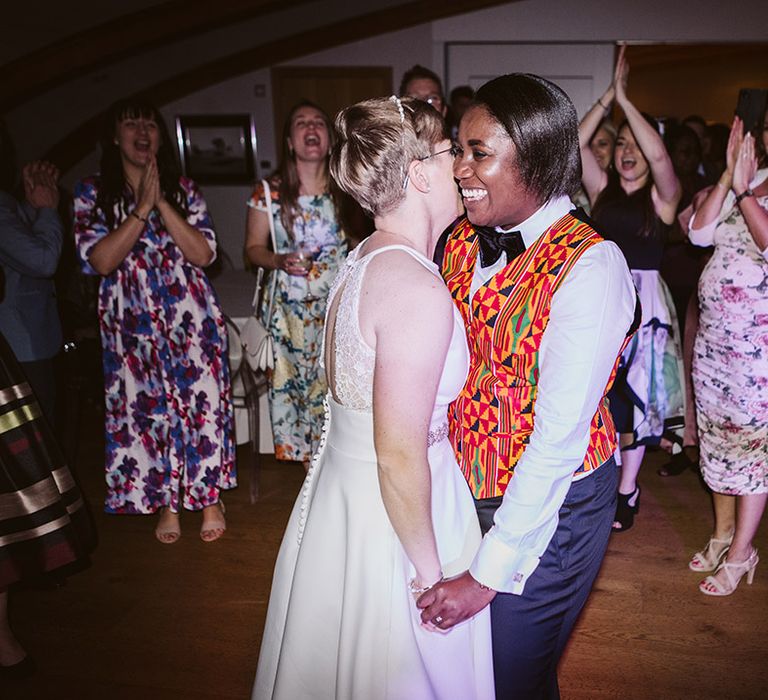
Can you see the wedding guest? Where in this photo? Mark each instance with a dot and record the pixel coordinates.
(31, 236)
(634, 205)
(730, 365)
(424, 85)
(146, 231)
(305, 208)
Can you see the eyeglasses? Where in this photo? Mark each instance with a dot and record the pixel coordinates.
(454, 150)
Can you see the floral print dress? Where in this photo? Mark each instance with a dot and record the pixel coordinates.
(169, 429)
(730, 360)
(298, 386)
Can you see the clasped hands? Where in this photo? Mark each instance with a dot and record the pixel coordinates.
(453, 601)
(41, 180)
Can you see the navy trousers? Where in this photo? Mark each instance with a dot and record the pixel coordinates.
(530, 631)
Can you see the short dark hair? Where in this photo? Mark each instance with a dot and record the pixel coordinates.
(462, 91)
(541, 121)
(416, 73)
(695, 119)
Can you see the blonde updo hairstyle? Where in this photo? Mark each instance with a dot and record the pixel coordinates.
(376, 142)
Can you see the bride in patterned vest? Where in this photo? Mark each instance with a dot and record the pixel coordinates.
(547, 305)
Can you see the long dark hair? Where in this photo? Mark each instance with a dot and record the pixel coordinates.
(614, 192)
(289, 175)
(112, 188)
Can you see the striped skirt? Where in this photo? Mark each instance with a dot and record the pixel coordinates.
(44, 524)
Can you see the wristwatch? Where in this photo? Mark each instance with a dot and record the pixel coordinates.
(745, 193)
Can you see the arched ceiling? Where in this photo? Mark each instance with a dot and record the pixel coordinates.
(102, 49)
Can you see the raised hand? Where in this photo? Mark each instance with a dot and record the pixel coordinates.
(735, 140)
(149, 194)
(621, 76)
(746, 165)
(41, 184)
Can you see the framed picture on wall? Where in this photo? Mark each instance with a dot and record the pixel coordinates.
(217, 149)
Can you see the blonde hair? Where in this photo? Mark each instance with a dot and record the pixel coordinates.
(375, 143)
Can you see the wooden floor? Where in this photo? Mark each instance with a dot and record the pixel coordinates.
(153, 621)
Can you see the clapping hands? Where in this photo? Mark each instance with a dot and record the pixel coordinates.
(621, 76)
(149, 194)
(744, 159)
(41, 180)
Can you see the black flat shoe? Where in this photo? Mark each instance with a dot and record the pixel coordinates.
(627, 507)
(677, 465)
(23, 669)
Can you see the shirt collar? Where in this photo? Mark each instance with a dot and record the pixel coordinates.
(542, 219)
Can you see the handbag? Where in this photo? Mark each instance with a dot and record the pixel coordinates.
(258, 343)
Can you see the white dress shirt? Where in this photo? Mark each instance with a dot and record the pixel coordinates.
(589, 318)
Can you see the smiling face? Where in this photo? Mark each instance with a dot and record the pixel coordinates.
(486, 167)
(138, 139)
(629, 161)
(601, 146)
(309, 138)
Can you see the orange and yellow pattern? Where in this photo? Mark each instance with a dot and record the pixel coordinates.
(492, 419)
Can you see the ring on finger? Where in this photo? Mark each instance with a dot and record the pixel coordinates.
(437, 619)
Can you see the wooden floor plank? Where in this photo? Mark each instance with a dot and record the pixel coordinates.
(153, 621)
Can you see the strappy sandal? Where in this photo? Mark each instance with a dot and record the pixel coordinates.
(710, 557)
(212, 531)
(733, 575)
(166, 534)
(626, 510)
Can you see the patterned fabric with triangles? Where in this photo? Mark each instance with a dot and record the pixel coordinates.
(492, 419)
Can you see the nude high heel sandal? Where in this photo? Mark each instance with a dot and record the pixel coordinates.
(710, 557)
(733, 574)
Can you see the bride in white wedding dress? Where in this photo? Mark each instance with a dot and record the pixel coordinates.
(384, 512)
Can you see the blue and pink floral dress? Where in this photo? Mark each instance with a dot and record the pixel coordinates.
(169, 430)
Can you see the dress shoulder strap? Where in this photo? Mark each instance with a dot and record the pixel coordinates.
(426, 262)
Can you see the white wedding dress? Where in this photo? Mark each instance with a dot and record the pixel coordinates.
(341, 621)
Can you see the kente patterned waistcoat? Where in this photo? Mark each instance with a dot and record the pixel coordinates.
(492, 419)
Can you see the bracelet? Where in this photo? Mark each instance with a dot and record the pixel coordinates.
(600, 102)
(140, 218)
(413, 588)
(745, 193)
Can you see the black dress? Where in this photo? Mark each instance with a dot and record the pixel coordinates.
(647, 398)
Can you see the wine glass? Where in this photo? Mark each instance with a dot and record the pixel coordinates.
(306, 259)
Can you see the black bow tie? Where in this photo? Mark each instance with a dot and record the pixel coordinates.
(493, 243)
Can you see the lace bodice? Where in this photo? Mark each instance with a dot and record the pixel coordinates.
(355, 359)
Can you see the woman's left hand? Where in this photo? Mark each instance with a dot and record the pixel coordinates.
(746, 165)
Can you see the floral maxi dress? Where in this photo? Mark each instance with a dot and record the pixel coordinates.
(730, 358)
(164, 342)
(298, 386)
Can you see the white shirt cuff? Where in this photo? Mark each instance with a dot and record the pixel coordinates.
(500, 567)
